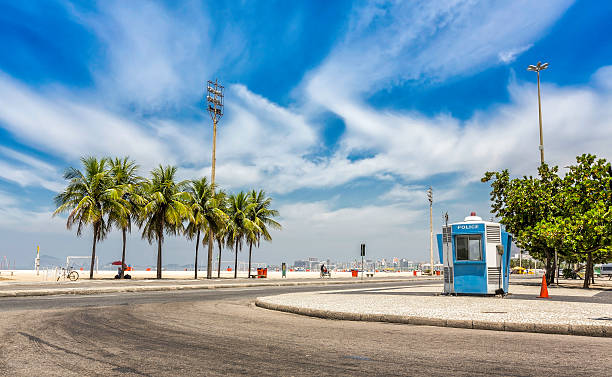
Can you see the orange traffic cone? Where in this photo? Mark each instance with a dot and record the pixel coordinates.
(544, 289)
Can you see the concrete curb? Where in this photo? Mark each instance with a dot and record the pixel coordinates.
(159, 288)
(546, 328)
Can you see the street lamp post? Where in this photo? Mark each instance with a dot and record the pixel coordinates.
(214, 101)
(431, 261)
(537, 68)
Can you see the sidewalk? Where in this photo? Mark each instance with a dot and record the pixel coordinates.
(568, 311)
(89, 287)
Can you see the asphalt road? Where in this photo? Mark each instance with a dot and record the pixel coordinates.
(221, 332)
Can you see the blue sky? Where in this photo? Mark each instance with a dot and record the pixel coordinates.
(344, 112)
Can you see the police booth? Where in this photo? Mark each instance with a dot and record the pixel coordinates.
(476, 257)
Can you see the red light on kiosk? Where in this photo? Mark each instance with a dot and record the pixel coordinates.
(472, 213)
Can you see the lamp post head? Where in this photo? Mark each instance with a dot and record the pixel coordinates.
(538, 67)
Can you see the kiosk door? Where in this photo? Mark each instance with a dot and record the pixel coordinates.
(469, 261)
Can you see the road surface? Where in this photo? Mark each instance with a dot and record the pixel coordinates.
(221, 332)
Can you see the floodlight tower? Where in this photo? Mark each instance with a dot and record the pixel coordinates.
(537, 68)
(214, 102)
(431, 260)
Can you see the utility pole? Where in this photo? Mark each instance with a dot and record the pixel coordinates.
(214, 101)
(430, 198)
(537, 68)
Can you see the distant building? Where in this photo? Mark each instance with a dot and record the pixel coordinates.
(309, 264)
(301, 263)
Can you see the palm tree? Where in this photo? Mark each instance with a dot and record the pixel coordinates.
(89, 196)
(165, 208)
(126, 180)
(239, 226)
(206, 215)
(261, 215)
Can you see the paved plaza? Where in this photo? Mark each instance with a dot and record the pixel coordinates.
(569, 310)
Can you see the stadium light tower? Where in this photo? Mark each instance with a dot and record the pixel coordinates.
(214, 106)
(431, 260)
(537, 68)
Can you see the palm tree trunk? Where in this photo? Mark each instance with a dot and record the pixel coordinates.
(196, 255)
(123, 257)
(250, 250)
(159, 256)
(236, 262)
(210, 254)
(219, 264)
(93, 251)
(160, 239)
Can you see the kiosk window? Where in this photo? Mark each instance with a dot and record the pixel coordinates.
(468, 247)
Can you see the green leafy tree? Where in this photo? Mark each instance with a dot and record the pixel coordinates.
(261, 215)
(165, 208)
(522, 204)
(585, 227)
(239, 226)
(571, 214)
(126, 180)
(205, 214)
(89, 197)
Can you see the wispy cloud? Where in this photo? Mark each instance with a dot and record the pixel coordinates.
(509, 56)
(155, 57)
(389, 43)
(14, 217)
(25, 170)
(70, 128)
(338, 232)
(416, 195)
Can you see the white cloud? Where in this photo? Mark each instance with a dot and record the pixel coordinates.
(575, 121)
(155, 57)
(69, 128)
(389, 43)
(27, 177)
(603, 78)
(264, 144)
(509, 56)
(6, 200)
(15, 218)
(316, 229)
(26, 159)
(28, 171)
(417, 195)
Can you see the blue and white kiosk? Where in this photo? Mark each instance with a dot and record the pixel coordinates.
(476, 257)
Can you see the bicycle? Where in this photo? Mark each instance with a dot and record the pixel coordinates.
(325, 273)
(69, 273)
